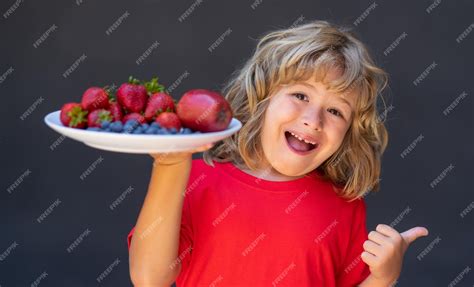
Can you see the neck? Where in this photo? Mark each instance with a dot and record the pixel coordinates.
(269, 173)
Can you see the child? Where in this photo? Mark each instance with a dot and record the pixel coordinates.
(280, 202)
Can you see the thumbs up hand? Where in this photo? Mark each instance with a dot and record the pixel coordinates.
(385, 248)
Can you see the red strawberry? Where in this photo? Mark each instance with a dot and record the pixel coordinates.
(95, 98)
(134, 116)
(96, 117)
(115, 110)
(157, 103)
(132, 96)
(168, 120)
(72, 115)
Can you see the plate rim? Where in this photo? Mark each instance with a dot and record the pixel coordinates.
(53, 125)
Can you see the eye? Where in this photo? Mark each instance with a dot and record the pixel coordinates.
(300, 96)
(337, 113)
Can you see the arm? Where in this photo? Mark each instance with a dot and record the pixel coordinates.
(154, 246)
(153, 251)
(372, 281)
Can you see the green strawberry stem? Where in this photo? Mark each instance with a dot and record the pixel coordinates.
(153, 86)
(105, 116)
(160, 111)
(77, 116)
(110, 93)
(133, 80)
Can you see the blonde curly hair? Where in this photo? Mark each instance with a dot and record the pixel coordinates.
(296, 54)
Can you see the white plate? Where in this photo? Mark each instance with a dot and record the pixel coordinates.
(139, 143)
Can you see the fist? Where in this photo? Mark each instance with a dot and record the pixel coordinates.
(385, 248)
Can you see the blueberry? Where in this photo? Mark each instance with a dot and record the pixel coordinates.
(187, 131)
(132, 121)
(173, 131)
(138, 130)
(107, 129)
(155, 124)
(145, 126)
(127, 130)
(162, 131)
(116, 127)
(150, 131)
(105, 124)
(130, 126)
(93, 129)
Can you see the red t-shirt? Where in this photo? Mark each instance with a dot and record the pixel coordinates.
(240, 230)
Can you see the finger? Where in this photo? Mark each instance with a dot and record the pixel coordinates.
(378, 237)
(200, 149)
(372, 247)
(205, 147)
(412, 234)
(387, 230)
(368, 258)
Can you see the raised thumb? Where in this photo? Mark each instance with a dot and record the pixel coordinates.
(412, 234)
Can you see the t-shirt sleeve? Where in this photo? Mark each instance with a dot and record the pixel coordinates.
(186, 235)
(353, 270)
(129, 237)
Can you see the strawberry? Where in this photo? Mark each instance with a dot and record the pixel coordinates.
(96, 117)
(158, 103)
(72, 115)
(132, 96)
(95, 98)
(168, 120)
(115, 110)
(134, 116)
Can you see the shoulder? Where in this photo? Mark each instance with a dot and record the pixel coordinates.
(348, 206)
(200, 168)
(348, 210)
(332, 192)
(353, 209)
(354, 215)
(201, 174)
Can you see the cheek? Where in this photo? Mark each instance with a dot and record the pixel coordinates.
(335, 135)
(282, 111)
(278, 114)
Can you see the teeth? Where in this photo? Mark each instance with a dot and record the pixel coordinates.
(302, 139)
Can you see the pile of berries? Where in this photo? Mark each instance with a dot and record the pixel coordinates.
(145, 108)
(134, 127)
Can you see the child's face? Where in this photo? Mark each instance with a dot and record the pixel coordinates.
(307, 109)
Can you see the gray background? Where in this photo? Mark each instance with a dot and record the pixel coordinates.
(29, 248)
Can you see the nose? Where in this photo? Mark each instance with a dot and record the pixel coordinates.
(314, 121)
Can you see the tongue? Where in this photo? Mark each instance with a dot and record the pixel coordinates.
(297, 144)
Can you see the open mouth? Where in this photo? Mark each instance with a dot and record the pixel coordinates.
(299, 146)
